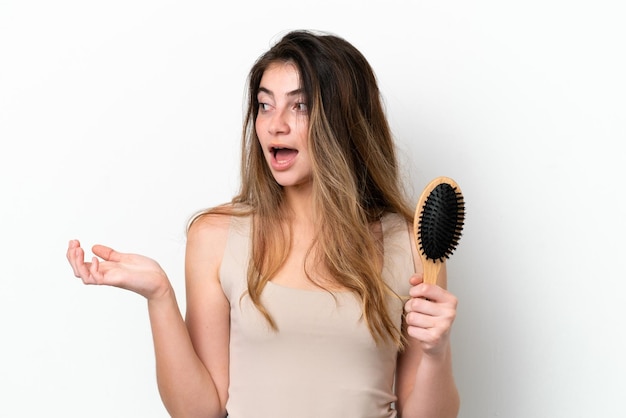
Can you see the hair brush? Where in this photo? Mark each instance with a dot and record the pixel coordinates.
(438, 223)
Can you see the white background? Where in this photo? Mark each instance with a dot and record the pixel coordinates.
(120, 119)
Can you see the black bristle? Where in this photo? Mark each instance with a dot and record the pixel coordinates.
(441, 222)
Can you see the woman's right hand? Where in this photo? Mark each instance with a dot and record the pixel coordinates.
(133, 272)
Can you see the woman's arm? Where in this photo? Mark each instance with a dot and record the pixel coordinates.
(185, 382)
(208, 309)
(424, 380)
(190, 385)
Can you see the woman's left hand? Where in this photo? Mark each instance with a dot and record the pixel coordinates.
(430, 312)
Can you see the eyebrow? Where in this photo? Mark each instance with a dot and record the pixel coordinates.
(295, 92)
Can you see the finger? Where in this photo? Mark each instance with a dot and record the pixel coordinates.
(430, 331)
(419, 334)
(423, 306)
(81, 269)
(106, 253)
(419, 320)
(432, 340)
(428, 291)
(71, 257)
(71, 253)
(73, 244)
(94, 271)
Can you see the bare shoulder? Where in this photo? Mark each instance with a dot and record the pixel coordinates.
(209, 226)
(206, 241)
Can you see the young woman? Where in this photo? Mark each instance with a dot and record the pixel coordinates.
(304, 293)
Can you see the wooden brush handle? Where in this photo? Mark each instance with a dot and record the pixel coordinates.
(431, 267)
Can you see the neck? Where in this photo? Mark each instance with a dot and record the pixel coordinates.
(299, 203)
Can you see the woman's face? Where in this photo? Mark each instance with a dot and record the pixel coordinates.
(282, 125)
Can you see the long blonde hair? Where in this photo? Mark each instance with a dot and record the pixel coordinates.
(355, 174)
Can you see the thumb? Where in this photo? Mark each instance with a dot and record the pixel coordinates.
(106, 253)
(416, 279)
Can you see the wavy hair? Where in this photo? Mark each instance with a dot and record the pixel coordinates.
(355, 175)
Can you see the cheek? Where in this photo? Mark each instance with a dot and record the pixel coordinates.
(261, 133)
(303, 133)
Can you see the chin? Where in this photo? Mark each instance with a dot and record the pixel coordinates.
(291, 182)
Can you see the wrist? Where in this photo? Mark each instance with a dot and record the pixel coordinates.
(437, 358)
(163, 295)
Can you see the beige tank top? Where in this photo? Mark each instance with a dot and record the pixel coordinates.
(322, 362)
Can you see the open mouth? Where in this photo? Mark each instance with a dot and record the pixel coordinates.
(282, 154)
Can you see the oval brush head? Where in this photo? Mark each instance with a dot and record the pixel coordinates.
(438, 223)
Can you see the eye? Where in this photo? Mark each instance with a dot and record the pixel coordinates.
(301, 107)
(263, 107)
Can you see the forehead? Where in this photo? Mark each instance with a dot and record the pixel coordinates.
(280, 77)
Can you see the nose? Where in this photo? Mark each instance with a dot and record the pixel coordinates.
(279, 123)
